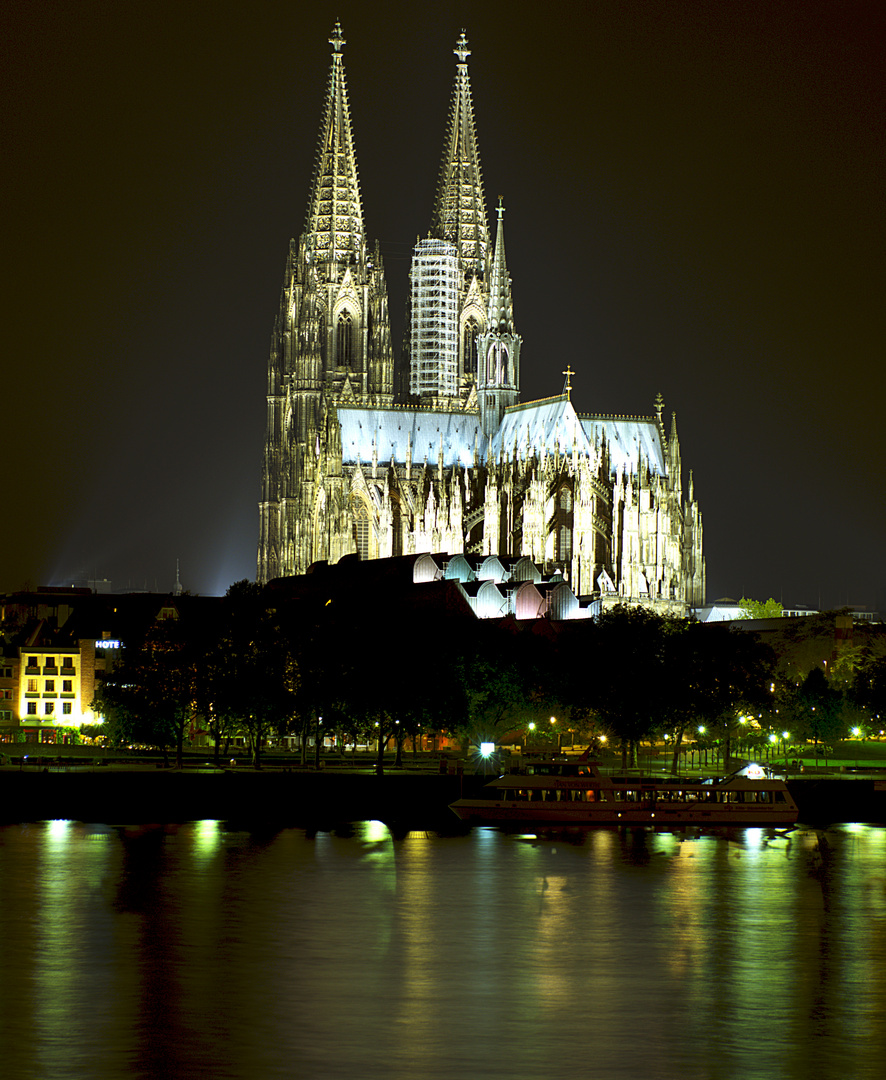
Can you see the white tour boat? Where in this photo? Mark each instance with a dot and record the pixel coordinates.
(577, 793)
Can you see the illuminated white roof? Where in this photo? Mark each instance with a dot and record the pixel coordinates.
(394, 430)
(626, 436)
(551, 423)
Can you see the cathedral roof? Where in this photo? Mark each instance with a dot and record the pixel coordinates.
(334, 229)
(460, 206)
(552, 424)
(420, 433)
(628, 437)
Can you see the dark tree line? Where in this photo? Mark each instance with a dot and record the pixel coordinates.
(269, 666)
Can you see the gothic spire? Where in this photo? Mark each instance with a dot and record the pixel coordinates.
(500, 314)
(335, 214)
(460, 207)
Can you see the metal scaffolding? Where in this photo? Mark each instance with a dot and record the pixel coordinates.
(434, 331)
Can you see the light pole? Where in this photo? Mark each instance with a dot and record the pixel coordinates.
(559, 735)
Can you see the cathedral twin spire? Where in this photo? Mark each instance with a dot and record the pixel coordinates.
(334, 231)
(460, 206)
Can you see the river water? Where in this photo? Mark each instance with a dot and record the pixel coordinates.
(196, 951)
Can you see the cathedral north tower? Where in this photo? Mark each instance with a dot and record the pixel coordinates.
(331, 341)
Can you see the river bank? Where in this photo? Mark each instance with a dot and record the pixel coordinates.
(322, 799)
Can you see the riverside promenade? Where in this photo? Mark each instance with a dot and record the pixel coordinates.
(39, 786)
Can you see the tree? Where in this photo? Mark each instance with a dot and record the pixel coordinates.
(151, 697)
(869, 689)
(760, 609)
(820, 709)
(254, 675)
(734, 677)
(625, 674)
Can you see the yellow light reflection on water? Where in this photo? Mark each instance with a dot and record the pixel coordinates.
(58, 831)
(207, 836)
(375, 832)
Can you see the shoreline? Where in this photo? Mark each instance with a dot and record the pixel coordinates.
(325, 798)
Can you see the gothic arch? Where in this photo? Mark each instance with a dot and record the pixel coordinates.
(346, 351)
(470, 331)
(362, 526)
(564, 502)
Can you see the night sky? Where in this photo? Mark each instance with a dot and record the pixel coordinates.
(694, 206)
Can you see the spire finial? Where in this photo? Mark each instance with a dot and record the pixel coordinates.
(500, 209)
(569, 373)
(337, 39)
(659, 405)
(461, 49)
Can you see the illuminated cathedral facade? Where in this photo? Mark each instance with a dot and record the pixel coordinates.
(438, 453)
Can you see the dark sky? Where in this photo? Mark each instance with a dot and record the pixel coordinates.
(694, 205)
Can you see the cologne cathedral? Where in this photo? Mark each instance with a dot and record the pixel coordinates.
(438, 453)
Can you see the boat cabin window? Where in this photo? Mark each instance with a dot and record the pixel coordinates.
(558, 768)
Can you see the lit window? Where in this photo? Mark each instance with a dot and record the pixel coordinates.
(32, 686)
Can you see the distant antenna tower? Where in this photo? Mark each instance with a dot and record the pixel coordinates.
(177, 591)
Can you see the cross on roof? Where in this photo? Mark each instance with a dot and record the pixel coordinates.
(568, 373)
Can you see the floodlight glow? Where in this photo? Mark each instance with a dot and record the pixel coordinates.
(532, 727)
(856, 732)
(785, 734)
(487, 749)
(773, 738)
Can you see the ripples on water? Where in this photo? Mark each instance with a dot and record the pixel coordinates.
(201, 952)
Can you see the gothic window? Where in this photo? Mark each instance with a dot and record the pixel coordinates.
(469, 347)
(563, 525)
(361, 524)
(344, 340)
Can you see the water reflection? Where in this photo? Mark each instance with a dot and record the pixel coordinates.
(201, 950)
